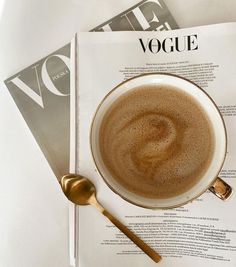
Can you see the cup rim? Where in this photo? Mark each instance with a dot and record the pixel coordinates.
(97, 167)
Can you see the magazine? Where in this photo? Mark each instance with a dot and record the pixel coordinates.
(200, 233)
(42, 94)
(42, 91)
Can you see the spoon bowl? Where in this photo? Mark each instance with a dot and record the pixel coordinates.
(78, 189)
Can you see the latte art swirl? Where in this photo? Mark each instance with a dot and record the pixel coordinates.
(156, 141)
(149, 147)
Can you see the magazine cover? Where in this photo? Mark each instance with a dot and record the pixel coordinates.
(42, 92)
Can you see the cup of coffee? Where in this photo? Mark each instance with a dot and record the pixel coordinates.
(159, 141)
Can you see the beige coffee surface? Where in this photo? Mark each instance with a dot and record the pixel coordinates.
(156, 141)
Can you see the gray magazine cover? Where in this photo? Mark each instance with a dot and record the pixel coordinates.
(42, 92)
(147, 15)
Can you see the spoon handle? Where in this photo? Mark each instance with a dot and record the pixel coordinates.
(142, 245)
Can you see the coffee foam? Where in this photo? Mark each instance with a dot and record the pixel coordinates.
(156, 141)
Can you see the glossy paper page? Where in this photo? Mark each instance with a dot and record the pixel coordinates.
(201, 232)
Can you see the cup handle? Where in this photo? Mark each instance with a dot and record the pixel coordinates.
(221, 189)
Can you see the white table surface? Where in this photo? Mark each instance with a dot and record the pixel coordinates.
(33, 211)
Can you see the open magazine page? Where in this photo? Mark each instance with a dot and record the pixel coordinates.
(200, 233)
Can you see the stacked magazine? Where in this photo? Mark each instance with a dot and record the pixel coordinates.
(57, 102)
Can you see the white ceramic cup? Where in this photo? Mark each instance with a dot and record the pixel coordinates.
(210, 178)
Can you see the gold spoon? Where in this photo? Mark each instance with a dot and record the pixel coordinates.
(81, 191)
